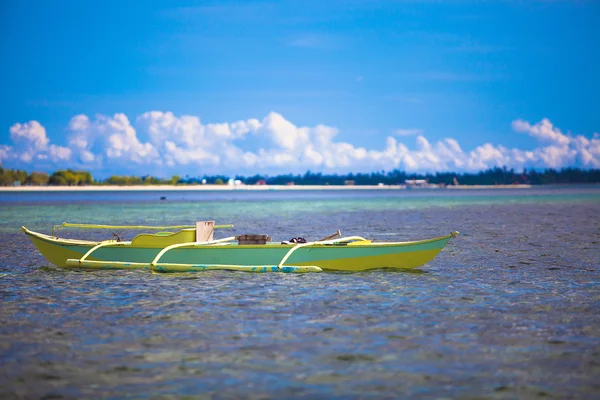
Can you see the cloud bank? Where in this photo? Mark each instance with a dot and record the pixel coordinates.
(162, 143)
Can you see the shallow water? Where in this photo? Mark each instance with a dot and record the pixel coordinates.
(509, 309)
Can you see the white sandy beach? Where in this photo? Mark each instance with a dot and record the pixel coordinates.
(149, 188)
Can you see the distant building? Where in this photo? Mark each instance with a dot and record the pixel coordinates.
(420, 184)
(416, 182)
(234, 182)
(261, 182)
(349, 183)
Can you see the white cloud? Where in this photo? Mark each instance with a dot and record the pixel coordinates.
(113, 138)
(30, 135)
(283, 133)
(121, 140)
(588, 150)
(160, 126)
(563, 150)
(451, 155)
(487, 156)
(408, 132)
(4, 152)
(184, 144)
(543, 130)
(185, 140)
(80, 132)
(58, 153)
(30, 143)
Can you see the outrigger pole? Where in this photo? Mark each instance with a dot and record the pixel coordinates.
(154, 228)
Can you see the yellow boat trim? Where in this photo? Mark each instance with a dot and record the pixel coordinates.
(354, 264)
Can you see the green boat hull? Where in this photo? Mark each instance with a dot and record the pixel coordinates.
(336, 257)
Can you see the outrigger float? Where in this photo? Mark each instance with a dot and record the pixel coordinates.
(192, 248)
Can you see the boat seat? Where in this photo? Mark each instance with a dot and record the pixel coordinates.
(203, 233)
(163, 239)
(359, 243)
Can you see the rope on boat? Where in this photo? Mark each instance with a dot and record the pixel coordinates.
(293, 249)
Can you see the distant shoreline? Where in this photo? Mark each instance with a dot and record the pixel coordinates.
(170, 188)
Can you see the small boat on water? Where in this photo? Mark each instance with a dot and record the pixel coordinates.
(193, 248)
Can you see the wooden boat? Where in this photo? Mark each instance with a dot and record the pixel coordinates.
(192, 248)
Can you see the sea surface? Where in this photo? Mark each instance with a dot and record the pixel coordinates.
(509, 309)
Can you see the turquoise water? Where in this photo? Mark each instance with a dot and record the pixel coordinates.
(510, 309)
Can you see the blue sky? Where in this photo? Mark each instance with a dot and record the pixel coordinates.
(278, 86)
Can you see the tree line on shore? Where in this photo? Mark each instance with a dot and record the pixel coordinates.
(492, 176)
(12, 177)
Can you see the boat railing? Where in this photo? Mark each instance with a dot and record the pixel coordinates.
(161, 253)
(105, 243)
(189, 244)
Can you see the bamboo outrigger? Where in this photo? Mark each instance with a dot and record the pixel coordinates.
(192, 248)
